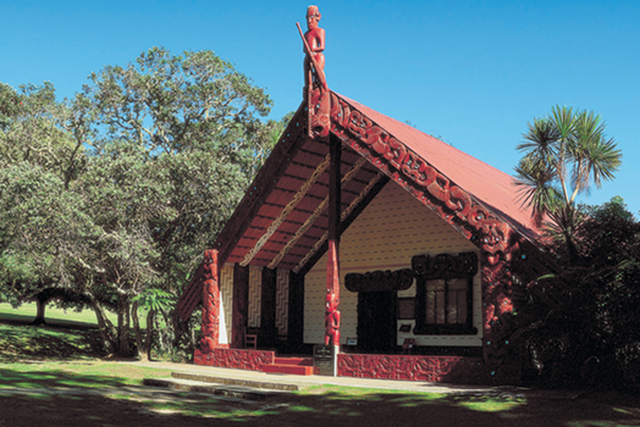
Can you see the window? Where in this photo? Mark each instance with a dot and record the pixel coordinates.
(444, 303)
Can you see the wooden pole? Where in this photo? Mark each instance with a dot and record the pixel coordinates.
(332, 315)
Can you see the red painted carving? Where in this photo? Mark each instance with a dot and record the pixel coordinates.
(251, 360)
(493, 236)
(210, 302)
(316, 91)
(332, 315)
(408, 368)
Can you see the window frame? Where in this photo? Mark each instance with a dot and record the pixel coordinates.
(444, 267)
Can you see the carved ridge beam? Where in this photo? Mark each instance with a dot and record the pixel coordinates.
(318, 245)
(286, 211)
(314, 216)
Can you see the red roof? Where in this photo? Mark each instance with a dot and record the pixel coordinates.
(280, 220)
(488, 185)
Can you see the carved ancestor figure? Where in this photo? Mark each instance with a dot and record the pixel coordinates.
(332, 314)
(316, 91)
(314, 59)
(210, 302)
(332, 320)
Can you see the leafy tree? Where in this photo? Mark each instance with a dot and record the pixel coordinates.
(177, 139)
(45, 236)
(37, 129)
(581, 326)
(564, 155)
(111, 198)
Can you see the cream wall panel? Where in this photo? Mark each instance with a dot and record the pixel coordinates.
(389, 232)
(255, 297)
(226, 311)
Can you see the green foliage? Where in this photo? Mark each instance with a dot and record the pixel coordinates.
(116, 193)
(564, 154)
(581, 326)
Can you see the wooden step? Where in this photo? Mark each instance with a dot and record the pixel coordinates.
(277, 368)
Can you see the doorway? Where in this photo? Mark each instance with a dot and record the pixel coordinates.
(377, 321)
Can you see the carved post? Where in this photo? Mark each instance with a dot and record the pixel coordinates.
(210, 303)
(332, 316)
(498, 245)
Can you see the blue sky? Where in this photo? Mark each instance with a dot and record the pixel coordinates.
(472, 73)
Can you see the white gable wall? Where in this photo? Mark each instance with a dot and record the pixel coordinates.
(387, 234)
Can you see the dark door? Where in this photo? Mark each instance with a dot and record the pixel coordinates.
(377, 321)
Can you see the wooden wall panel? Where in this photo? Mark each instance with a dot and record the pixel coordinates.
(255, 296)
(282, 302)
(388, 233)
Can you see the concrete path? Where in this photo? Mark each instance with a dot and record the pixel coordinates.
(315, 380)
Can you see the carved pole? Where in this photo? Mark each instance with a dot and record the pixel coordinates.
(210, 303)
(332, 315)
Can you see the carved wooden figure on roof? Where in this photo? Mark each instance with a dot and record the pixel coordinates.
(316, 90)
(314, 46)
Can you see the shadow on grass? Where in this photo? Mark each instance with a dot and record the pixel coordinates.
(31, 397)
(19, 341)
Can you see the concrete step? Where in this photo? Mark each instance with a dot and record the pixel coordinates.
(301, 361)
(222, 390)
(239, 382)
(278, 368)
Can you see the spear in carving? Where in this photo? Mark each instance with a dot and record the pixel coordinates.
(319, 71)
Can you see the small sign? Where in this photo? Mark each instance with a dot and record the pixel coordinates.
(324, 359)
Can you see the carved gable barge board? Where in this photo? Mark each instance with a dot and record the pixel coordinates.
(262, 184)
(417, 176)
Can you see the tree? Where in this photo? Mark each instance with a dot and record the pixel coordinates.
(177, 138)
(45, 237)
(581, 326)
(111, 198)
(43, 231)
(564, 155)
(36, 129)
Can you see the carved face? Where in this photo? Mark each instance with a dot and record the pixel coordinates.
(332, 302)
(313, 16)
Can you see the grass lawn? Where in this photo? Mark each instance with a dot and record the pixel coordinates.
(49, 376)
(27, 313)
(56, 316)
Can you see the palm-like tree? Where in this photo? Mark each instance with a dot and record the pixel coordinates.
(564, 155)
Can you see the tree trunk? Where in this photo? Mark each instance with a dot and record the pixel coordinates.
(124, 347)
(140, 344)
(104, 325)
(41, 304)
(149, 340)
